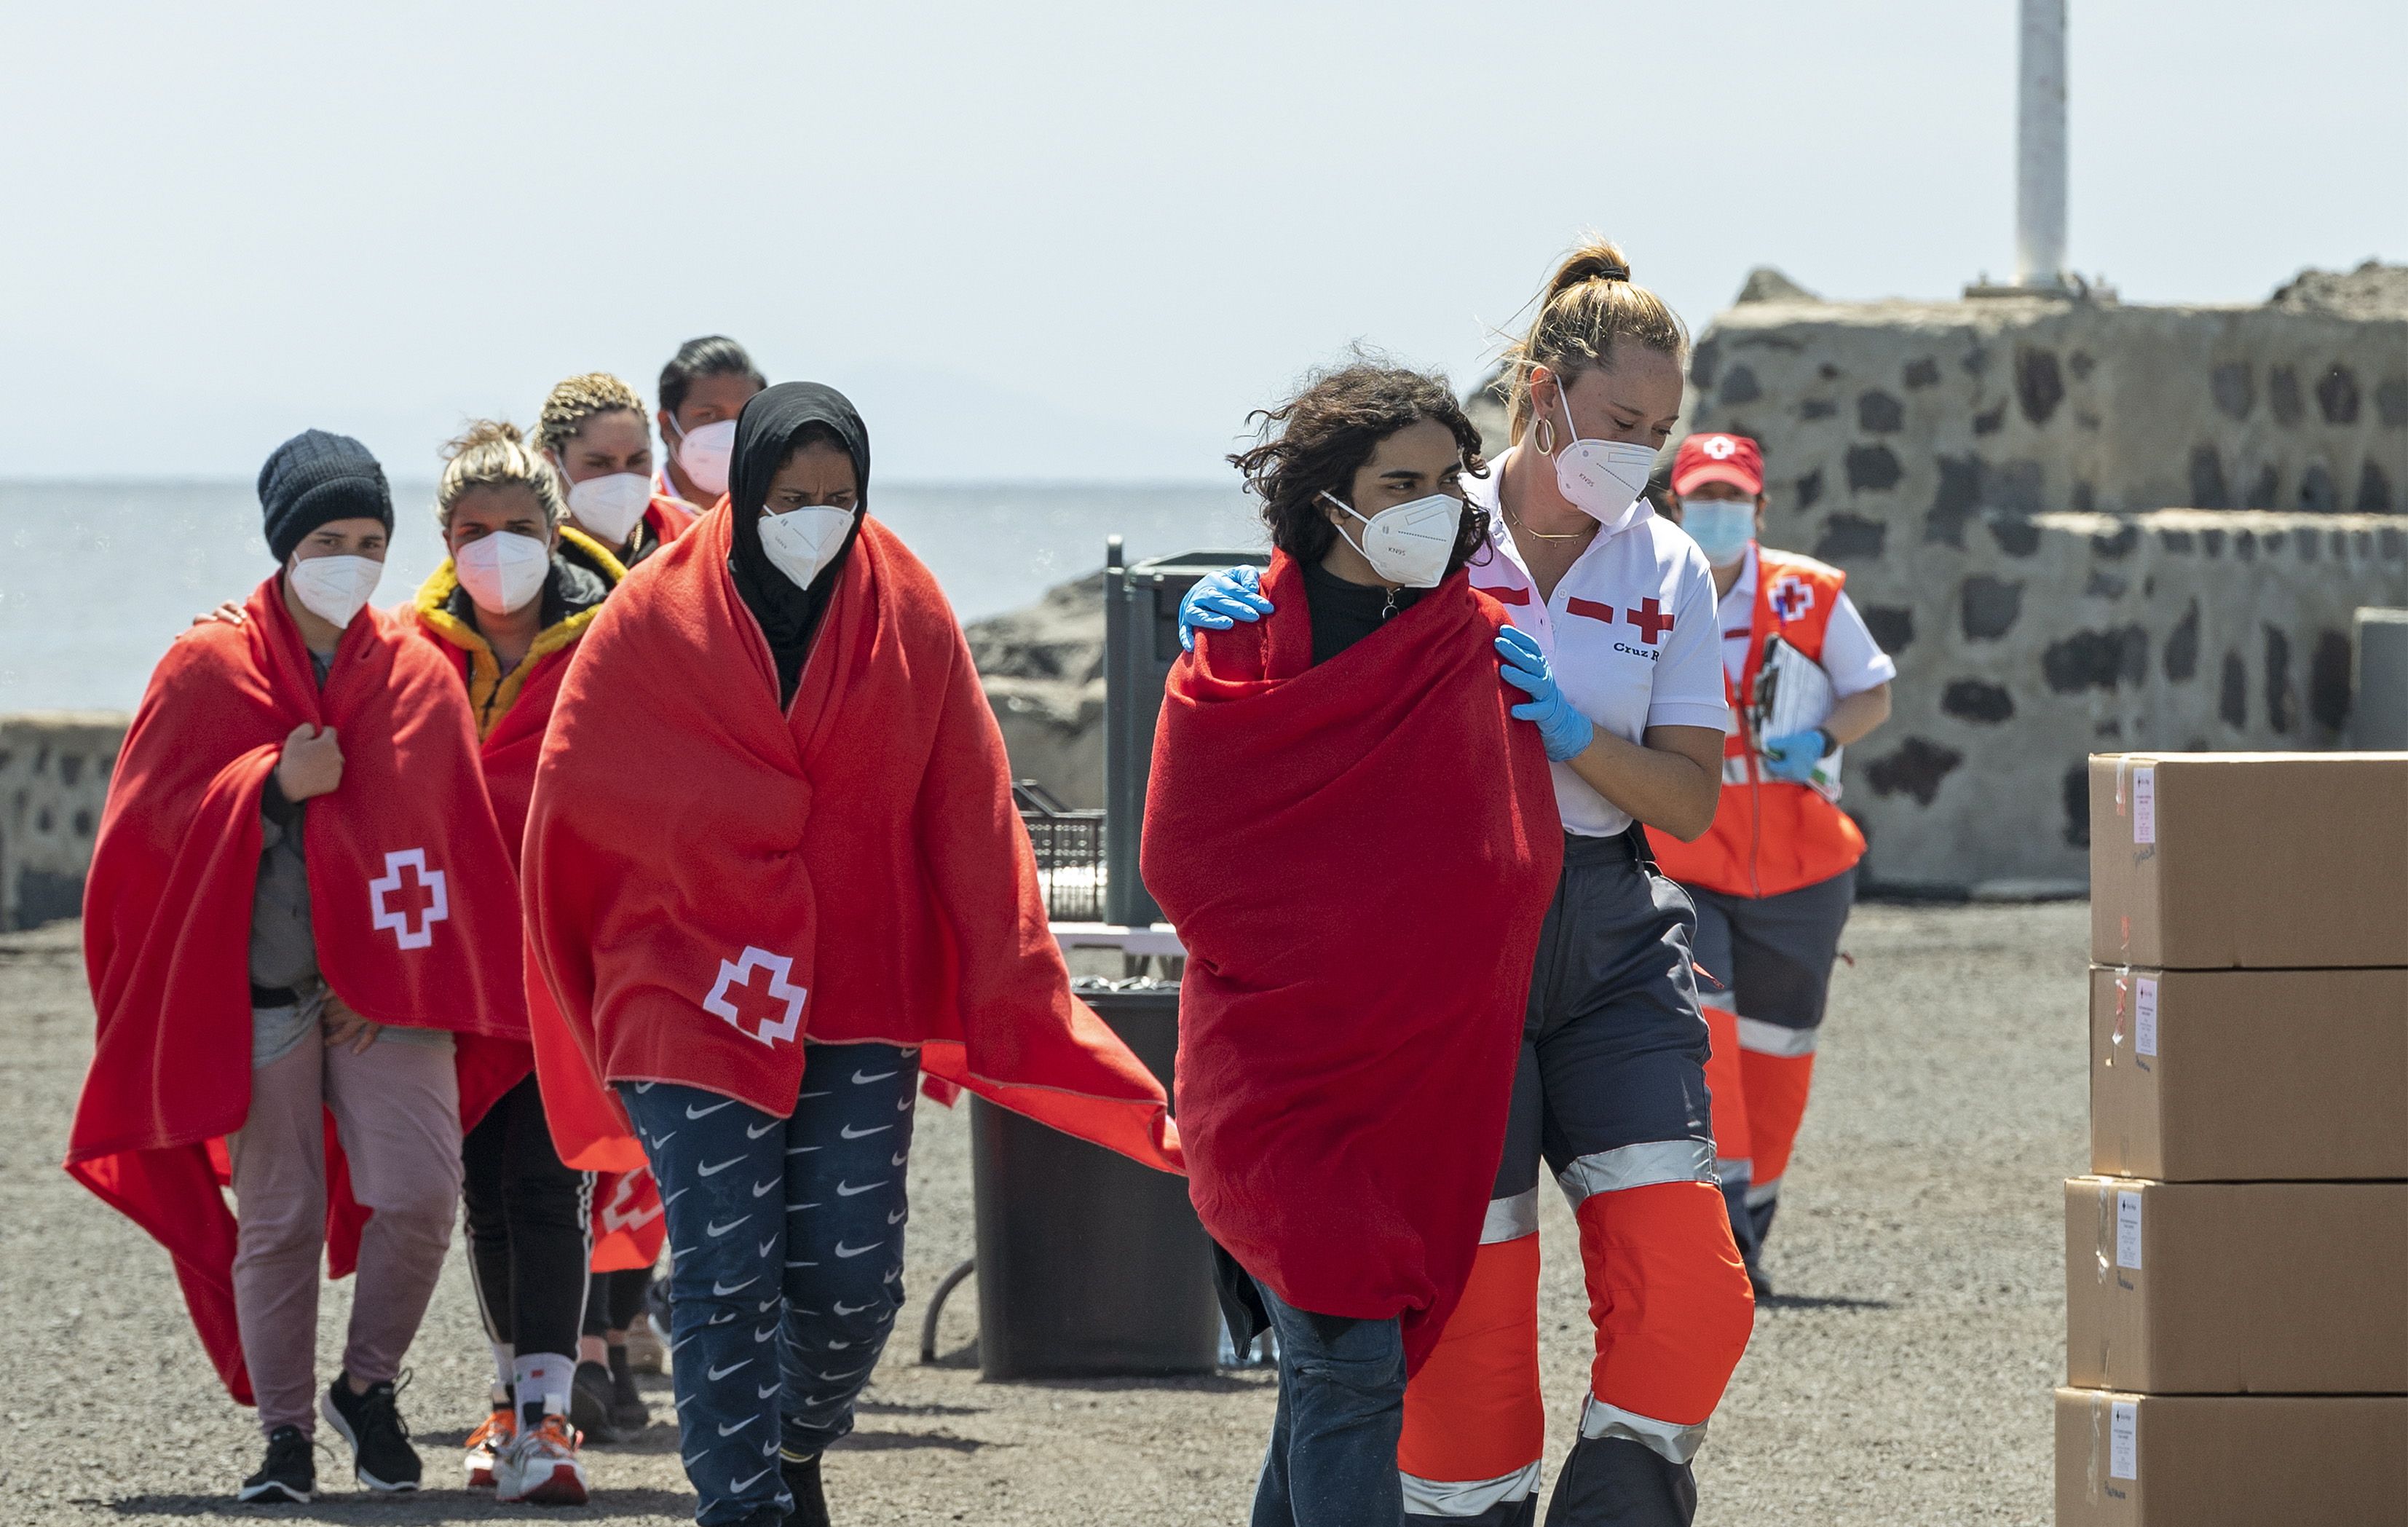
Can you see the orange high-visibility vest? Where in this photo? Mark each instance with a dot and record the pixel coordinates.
(1769, 836)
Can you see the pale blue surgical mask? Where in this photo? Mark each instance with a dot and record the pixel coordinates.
(1722, 527)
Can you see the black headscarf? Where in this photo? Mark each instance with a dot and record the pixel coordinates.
(766, 433)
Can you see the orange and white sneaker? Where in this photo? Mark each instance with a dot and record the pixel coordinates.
(540, 1466)
(492, 1435)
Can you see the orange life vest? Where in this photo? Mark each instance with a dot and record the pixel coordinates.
(1769, 836)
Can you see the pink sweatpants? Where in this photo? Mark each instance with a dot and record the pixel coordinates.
(397, 1111)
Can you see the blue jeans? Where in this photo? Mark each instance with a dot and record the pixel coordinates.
(1332, 1461)
(786, 1228)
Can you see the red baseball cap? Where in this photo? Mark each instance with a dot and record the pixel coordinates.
(1734, 459)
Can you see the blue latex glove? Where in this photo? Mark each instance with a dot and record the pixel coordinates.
(1220, 600)
(1791, 759)
(1522, 664)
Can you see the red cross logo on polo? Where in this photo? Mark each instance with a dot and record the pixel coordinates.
(773, 1014)
(1720, 447)
(1650, 619)
(409, 898)
(1792, 598)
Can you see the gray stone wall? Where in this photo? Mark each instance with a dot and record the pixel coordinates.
(1984, 471)
(55, 768)
(2030, 641)
(1888, 422)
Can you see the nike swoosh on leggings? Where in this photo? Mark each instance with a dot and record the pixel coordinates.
(714, 1171)
(760, 1189)
(694, 1113)
(720, 1291)
(844, 1250)
(752, 1133)
(718, 1374)
(846, 1189)
(860, 1080)
(851, 1134)
(731, 1430)
(742, 1484)
(715, 1230)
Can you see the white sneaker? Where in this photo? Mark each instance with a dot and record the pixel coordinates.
(485, 1443)
(540, 1468)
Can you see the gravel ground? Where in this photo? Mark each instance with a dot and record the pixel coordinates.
(1902, 1374)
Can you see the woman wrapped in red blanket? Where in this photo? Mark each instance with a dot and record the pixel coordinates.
(298, 901)
(1350, 1017)
(773, 872)
(507, 610)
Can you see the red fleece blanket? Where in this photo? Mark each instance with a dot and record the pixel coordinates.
(709, 882)
(1357, 857)
(410, 906)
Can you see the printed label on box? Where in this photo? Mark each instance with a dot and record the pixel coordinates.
(2145, 805)
(2144, 1017)
(2128, 1228)
(2123, 1440)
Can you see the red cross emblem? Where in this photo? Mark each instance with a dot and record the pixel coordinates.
(410, 899)
(772, 1013)
(1651, 620)
(1792, 598)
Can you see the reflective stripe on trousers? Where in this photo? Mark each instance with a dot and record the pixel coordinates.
(1510, 1219)
(1759, 1038)
(1666, 1439)
(1642, 1165)
(1458, 1500)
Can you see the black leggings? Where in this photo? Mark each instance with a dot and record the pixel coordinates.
(527, 1227)
(616, 1300)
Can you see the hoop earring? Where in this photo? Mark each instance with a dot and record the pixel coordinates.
(1546, 440)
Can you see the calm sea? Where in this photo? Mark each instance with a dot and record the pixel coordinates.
(99, 577)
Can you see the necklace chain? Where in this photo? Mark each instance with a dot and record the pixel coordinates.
(1515, 520)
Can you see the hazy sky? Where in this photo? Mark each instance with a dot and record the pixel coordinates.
(1064, 240)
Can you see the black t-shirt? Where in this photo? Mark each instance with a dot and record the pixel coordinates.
(1344, 613)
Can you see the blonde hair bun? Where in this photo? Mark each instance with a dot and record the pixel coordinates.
(493, 453)
(1588, 306)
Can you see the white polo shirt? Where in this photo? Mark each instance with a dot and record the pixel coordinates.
(1630, 633)
(1851, 656)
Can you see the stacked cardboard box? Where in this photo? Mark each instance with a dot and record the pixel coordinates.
(2237, 1265)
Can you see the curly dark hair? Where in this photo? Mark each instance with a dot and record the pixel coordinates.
(1318, 439)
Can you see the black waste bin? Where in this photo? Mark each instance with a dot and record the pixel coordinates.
(1089, 1264)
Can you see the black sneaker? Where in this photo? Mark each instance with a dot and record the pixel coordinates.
(590, 1399)
(288, 1476)
(381, 1456)
(802, 1476)
(628, 1412)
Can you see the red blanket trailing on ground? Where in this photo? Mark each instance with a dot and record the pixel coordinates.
(409, 900)
(709, 882)
(1357, 857)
